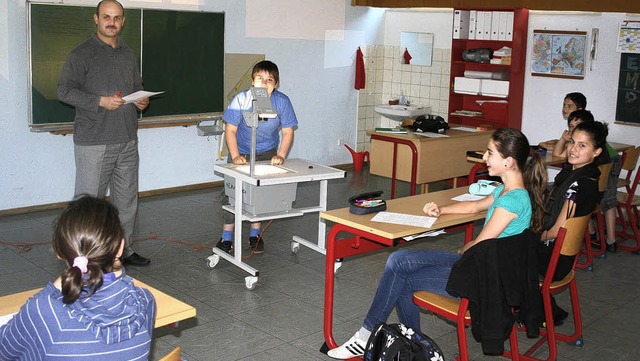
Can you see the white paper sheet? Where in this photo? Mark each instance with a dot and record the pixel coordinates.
(467, 197)
(406, 219)
(467, 129)
(431, 135)
(262, 169)
(140, 94)
(6, 318)
(425, 234)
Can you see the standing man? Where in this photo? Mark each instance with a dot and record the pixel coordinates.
(95, 75)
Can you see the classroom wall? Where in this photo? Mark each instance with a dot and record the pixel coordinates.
(38, 168)
(542, 117)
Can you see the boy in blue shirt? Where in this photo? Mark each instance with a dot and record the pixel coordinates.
(238, 137)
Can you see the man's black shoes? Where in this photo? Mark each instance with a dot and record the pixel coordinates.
(135, 260)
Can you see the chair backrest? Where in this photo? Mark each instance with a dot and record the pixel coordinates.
(605, 169)
(634, 186)
(478, 171)
(575, 230)
(630, 159)
(174, 355)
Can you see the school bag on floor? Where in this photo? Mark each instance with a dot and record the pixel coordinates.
(396, 342)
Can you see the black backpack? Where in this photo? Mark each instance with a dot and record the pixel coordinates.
(430, 123)
(396, 342)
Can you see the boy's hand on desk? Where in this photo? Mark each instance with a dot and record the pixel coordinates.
(277, 160)
(431, 209)
(239, 160)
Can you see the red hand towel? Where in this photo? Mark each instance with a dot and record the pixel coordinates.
(360, 73)
(407, 56)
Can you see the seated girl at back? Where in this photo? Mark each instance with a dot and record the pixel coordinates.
(92, 311)
(513, 207)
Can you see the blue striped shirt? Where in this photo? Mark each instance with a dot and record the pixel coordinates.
(115, 323)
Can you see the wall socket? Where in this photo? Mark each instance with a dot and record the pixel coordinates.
(340, 141)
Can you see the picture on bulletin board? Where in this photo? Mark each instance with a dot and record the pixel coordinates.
(629, 37)
(559, 54)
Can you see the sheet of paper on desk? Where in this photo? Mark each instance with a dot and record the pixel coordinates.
(467, 197)
(406, 219)
(432, 135)
(140, 94)
(6, 318)
(425, 234)
(467, 129)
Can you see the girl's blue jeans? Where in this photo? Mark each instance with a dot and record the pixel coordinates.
(407, 271)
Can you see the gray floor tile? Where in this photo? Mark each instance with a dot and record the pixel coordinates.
(282, 318)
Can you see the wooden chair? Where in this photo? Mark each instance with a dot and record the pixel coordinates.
(568, 243)
(456, 310)
(629, 161)
(174, 355)
(629, 202)
(605, 170)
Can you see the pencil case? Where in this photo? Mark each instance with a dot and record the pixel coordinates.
(366, 203)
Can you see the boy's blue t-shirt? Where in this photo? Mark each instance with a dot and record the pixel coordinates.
(515, 201)
(268, 133)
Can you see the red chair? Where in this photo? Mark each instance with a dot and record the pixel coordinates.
(605, 170)
(629, 202)
(629, 160)
(568, 243)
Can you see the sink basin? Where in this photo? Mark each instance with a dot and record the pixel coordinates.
(400, 112)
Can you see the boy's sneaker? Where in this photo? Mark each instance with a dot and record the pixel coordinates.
(225, 245)
(256, 245)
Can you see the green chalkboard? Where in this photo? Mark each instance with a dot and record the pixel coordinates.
(182, 54)
(628, 105)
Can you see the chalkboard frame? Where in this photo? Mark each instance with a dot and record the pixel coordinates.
(628, 97)
(210, 90)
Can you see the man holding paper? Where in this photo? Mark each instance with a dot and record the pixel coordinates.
(94, 77)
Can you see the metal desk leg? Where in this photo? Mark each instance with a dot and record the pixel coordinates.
(322, 227)
(236, 259)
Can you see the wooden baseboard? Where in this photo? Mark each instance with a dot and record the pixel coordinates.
(149, 193)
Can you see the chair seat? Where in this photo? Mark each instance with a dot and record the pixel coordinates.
(433, 301)
(563, 282)
(622, 198)
(622, 182)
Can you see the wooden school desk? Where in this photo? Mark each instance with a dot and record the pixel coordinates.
(420, 159)
(368, 236)
(168, 309)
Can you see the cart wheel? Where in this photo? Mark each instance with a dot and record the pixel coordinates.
(295, 246)
(603, 256)
(336, 266)
(250, 282)
(590, 268)
(579, 342)
(213, 260)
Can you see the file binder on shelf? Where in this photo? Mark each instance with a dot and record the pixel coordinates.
(461, 24)
(472, 24)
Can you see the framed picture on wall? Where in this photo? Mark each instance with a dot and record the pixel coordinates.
(559, 54)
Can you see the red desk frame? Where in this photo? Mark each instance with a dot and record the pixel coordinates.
(370, 236)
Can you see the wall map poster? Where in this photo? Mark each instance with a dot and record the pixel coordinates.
(558, 53)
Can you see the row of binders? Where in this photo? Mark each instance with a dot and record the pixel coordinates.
(483, 25)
